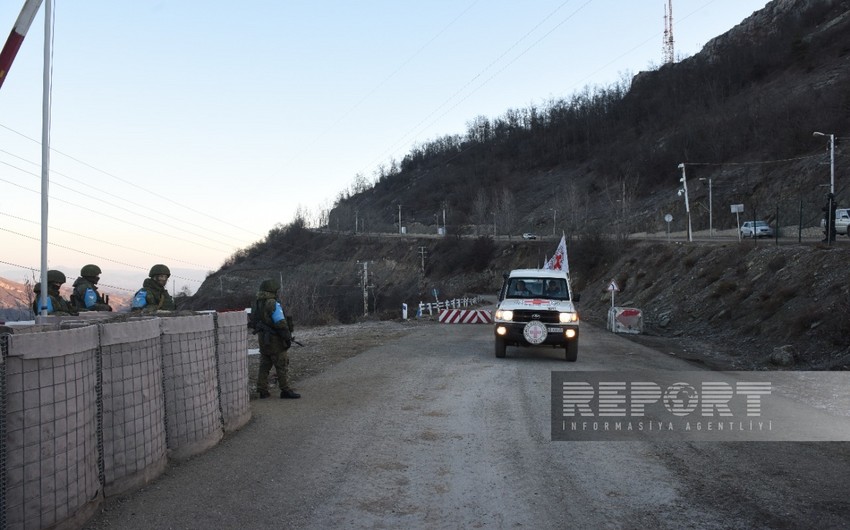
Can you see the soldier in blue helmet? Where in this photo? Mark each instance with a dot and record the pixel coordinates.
(85, 296)
(275, 338)
(153, 296)
(56, 305)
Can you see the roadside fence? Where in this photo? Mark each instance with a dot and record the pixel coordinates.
(436, 307)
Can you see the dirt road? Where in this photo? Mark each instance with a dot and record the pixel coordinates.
(429, 430)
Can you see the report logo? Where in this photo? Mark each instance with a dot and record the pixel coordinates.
(694, 406)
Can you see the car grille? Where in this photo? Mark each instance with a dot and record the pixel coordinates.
(547, 317)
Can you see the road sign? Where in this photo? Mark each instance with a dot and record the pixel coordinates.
(613, 286)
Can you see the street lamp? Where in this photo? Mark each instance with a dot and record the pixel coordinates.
(831, 159)
(830, 214)
(710, 216)
(684, 191)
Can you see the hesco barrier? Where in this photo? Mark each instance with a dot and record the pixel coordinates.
(51, 428)
(192, 413)
(97, 410)
(232, 363)
(133, 411)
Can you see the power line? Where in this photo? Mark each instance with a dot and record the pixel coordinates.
(419, 126)
(385, 80)
(113, 217)
(758, 163)
(78, 181)
(84, 236)
(129, 183)
(89, 254)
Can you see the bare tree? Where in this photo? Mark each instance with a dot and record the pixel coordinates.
(480, 206)
(506, 210)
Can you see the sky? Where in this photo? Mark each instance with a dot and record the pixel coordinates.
(182, 131)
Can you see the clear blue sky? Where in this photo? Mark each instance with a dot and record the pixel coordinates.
(191, 128)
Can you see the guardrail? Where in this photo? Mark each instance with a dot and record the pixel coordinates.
(436, 307)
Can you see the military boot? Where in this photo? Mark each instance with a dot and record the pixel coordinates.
(289, 394)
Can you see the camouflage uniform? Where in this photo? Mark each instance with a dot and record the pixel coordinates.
(156, 295)
(58, 306)
(89, 276)
(274, 346)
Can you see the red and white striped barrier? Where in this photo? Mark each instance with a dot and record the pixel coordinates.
(465, 316)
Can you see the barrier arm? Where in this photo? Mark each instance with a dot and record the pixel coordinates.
(16, 37)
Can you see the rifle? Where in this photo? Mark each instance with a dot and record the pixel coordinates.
(259, 326)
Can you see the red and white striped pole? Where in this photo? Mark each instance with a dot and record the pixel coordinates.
(16, 37)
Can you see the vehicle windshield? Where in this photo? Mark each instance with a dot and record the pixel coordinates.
(550, 288)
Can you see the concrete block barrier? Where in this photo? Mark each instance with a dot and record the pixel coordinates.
(465, 316)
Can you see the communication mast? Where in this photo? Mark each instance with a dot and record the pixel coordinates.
(669, 56)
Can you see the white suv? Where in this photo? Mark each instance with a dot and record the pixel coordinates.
(842, 220)
(537, 308)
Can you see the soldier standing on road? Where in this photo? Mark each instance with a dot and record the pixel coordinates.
(275, 338)
(85, 296)
(56, 305)
(153, 296)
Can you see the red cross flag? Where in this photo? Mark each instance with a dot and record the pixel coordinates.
(558, 262)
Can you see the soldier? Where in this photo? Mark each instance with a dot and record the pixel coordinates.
(275, 338)
(153, 295)
(85, 296)
(56, 305)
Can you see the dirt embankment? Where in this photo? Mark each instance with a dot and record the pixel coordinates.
(748, 305)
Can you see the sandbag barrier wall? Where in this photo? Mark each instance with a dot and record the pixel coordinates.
(97, 410)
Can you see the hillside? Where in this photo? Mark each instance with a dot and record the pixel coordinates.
(598, 166)
(16, 299)
(731, 305)
(741, 113)
(728, 303)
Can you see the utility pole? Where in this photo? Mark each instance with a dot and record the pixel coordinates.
(365, 285)
(684, 191)
(356, 211)
(444, 217)
(422, 252)
(399, 218)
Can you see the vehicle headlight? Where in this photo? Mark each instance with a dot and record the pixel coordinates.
(504, 315)
(568, 317)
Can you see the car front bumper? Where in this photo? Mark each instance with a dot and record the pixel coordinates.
(556, 334)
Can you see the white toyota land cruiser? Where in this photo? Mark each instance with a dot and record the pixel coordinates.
(537, 308)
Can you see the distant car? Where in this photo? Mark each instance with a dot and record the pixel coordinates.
(842, 221)
(756, 229)
(529, 235)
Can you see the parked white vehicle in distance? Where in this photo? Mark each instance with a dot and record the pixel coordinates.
(842, 220)
(529, 235)
(756, 229)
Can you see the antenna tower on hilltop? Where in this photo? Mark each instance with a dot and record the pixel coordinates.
(669, 56)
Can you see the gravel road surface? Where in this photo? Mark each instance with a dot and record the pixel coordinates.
(430, 430)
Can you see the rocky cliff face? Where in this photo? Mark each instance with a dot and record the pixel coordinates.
(763, 23)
